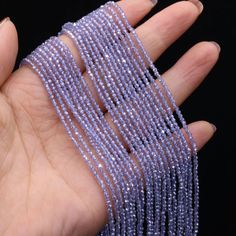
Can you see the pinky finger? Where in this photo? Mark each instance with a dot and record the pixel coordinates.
(202, 132)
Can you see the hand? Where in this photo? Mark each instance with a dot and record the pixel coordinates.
(45, 186)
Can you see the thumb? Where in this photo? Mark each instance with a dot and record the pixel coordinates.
(8, 48)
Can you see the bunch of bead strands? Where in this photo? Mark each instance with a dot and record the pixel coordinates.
(78, 33)
(142, 116)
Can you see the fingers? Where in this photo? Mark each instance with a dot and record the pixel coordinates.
(8, 48)
(188, 73)
(202, 132)
(160, 31)
(135, 10)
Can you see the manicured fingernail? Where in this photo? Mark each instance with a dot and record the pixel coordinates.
(217, 45)
(214, 127)
(4, 21)
(198, 4)
(154, 2)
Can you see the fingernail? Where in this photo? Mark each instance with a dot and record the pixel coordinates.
(198, 4)
(217, 45)
(154, 2)
(214, 127)
(4, 21)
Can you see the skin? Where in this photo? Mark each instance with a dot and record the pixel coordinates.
(45, 186)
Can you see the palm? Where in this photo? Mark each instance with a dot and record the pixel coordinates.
(41, 166)
(45, 186)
